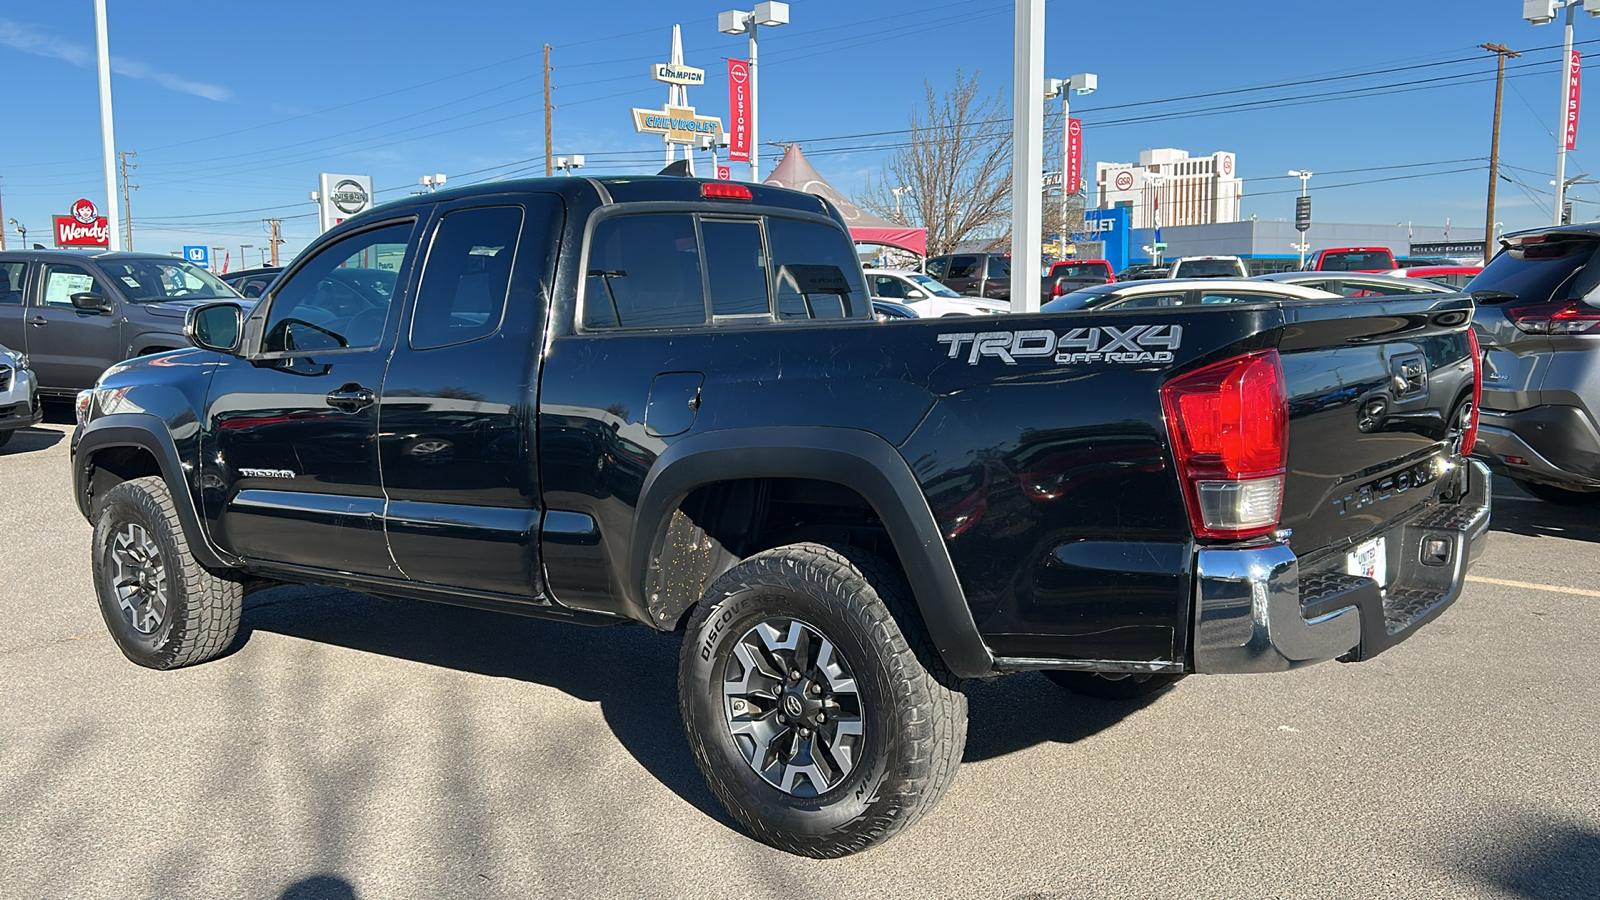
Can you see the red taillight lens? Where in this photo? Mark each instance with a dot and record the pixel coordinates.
(722, 190)
(1229, 425)
(1058, 290)
(1575, 317)
(1469, 432)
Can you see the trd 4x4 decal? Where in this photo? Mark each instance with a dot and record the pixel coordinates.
(1102, 343)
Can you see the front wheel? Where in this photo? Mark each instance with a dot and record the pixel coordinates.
(1559, 495)
(1124, 687)
(823, 722)
(163, 608)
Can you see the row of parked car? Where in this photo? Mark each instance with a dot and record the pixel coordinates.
(1537, 321)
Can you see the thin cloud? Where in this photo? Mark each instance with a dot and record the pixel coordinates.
(35, 40)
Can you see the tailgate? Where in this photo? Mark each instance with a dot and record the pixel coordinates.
(1378, 393)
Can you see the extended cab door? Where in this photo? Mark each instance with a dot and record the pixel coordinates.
(70, 347)
(290, 440)
(456, 419)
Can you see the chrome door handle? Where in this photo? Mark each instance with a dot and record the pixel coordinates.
(38, 320)
(351, 398)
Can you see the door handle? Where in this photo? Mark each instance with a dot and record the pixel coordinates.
(38, 320)
(351, 398)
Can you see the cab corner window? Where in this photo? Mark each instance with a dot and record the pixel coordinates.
(815, 272)
(340, 299)
(462, 296)
(644, 272)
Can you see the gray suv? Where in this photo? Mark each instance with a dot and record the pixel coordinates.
(75, 314)
(1538, 321)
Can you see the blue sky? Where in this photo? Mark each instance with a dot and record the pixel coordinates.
(234, 108)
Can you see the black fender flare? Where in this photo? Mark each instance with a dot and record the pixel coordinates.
(855, 459)
(147, 432)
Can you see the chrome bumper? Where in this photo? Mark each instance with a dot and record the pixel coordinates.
(1255, 611)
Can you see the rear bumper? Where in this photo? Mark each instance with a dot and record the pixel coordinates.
(1256, 611)
(1557, 445)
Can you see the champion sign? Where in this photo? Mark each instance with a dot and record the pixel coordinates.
(1103, 344)
(84, 228)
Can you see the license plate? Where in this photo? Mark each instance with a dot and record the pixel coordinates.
(1369, 560)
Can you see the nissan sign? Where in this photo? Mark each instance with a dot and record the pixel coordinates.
(342, 196)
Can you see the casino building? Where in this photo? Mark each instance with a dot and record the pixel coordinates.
(1203, 190)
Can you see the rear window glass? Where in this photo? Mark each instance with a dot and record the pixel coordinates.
(999, 267)
(815, 271)
(737, 268)
(644, 272)
(1549, 270)
(1369, 260)
(1207, 268)
(1081, 270)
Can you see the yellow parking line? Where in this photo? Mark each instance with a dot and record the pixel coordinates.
(1506, 582)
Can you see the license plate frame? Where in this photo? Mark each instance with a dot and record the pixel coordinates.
(1370, 559)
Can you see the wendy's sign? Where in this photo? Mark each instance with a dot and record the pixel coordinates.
(84, 228)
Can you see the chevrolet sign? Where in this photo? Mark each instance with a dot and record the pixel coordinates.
(671, 74)
(676, 124)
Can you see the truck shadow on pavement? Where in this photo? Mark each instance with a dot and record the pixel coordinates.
(1519, 513)
(630, 672)
(1547, 861)
(28, 440)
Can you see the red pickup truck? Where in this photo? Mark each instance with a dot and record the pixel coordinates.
(1352, 259)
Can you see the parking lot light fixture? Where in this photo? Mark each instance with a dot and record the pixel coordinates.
(736, 21)
(1081, 84)
(567, 163)
(431, 182)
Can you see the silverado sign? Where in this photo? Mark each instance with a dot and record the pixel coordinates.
(84, 228)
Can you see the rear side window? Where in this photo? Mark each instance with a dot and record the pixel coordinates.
(464, 283)
(11, 275)
(963, 266)
(1551, 270)
(815, 271)
(644, 272)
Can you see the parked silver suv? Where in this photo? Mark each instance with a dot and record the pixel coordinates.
(19, 394)
(1538, 321)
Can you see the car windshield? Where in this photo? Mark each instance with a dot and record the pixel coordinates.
(1354, 262)
(1080, 270)
(153, 280)
(1207, 268)
(931, 286)
(1552, 269)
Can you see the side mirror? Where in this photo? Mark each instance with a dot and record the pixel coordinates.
(914, 294)
(214, 326)
(91, 302)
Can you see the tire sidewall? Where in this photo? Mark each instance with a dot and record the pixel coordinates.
(124, 505)
(710, 644)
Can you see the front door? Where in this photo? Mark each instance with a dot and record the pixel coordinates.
(13, 278)
(70, 347)
(291, 430)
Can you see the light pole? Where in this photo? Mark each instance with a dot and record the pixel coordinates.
(1305, 241)
(22, 231)
(740, 22)
(103, 48)
(567, 163)
(431, 182)
(1542, 12)
(899, 216)
(244, 259)
(1082, 84)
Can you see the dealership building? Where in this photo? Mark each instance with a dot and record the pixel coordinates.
(1189, 190)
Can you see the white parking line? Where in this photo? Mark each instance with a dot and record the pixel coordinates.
(1555, 589)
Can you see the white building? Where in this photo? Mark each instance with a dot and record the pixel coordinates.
(1200, 191)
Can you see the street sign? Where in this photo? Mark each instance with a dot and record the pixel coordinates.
(200, 256)
(671, 74)
(724, 173)
(1161, 245)
(675, 124)
(1302, 213)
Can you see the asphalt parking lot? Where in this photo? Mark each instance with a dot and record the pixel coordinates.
(351, 747)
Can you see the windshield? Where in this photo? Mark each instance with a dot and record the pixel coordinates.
(1084, 299)
(1538, 272)
(1366, 260)
(1207, 268)
(1081, 270)
(153, 280)
(933, 287)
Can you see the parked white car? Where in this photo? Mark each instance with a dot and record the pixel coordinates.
(926, 295)
(1208, 267)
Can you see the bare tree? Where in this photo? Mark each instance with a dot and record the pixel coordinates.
(956, 161)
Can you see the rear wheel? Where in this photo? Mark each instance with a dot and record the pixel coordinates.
(823, 722)
(1564, 496)
(1114, 687)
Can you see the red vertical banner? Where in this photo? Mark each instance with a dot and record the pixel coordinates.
(1574, 91)
(1074, 176)
(738, 110)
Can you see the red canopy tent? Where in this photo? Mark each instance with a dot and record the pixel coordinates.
(795, 171)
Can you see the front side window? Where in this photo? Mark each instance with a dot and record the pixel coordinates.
(152, 280)
(938, 265)
(61, 282)
(737, 267)
(815, 271)
(963, 266)
(644, 272)
(341, 297)
(11, 276)
(887, 287)
(468, 274)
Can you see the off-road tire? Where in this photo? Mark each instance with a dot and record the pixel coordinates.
(202, 608)
(1131, 687)
(1559, 495)
(912, 710)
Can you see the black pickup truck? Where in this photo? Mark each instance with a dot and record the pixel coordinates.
(664, 401)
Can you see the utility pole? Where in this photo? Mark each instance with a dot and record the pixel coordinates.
(3, 227)
(275, 225)
(1502, 53)
(127, 203)
(549, 151)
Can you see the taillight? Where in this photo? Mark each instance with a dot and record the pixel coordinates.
(724, 190)
(1058, 290)
(1469, 431)
(1229, 425)
(1575, 317)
